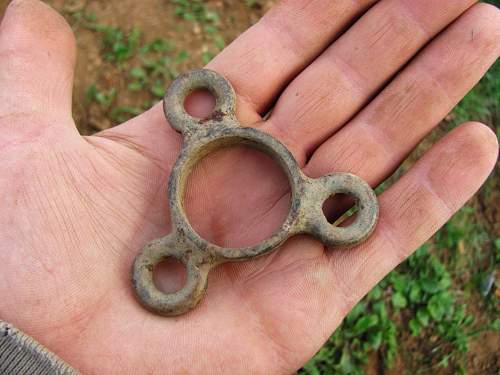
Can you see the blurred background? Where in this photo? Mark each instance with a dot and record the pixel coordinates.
(438, 312)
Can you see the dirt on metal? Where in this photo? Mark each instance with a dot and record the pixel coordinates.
(204, 136)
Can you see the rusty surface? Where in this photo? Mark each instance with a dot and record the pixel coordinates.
(203, 136)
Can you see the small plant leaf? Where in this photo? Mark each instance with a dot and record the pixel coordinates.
(365, 323)
(399, 301)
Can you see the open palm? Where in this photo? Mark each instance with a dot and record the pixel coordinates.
(76, 210)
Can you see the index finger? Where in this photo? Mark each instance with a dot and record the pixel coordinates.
(263, 60)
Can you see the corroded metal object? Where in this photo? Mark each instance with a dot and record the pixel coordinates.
(203, 136)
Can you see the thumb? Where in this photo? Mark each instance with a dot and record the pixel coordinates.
(37, 59)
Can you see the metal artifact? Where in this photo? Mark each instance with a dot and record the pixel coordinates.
(203, 136)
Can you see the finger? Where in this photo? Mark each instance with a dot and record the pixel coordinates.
(37, 57)
(355, 67)
(414, 208)
(264, 59)
(259, 63)
(376, 141)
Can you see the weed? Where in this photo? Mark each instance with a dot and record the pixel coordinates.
(194, 10)
(197, 11)
(252, 3)
(117, 45)
(104, 98)
(151, 66)
(156, 69)
(82, 17)
(121, 114)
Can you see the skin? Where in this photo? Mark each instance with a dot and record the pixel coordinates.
(76, 210)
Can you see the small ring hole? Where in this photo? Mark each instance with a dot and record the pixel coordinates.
(340, 209)
(200, 104)
(170, 275)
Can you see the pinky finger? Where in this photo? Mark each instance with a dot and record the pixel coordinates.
(416, 206)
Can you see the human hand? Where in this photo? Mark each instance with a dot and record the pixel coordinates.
(76, 210)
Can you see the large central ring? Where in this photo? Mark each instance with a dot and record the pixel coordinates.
(204, 136)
